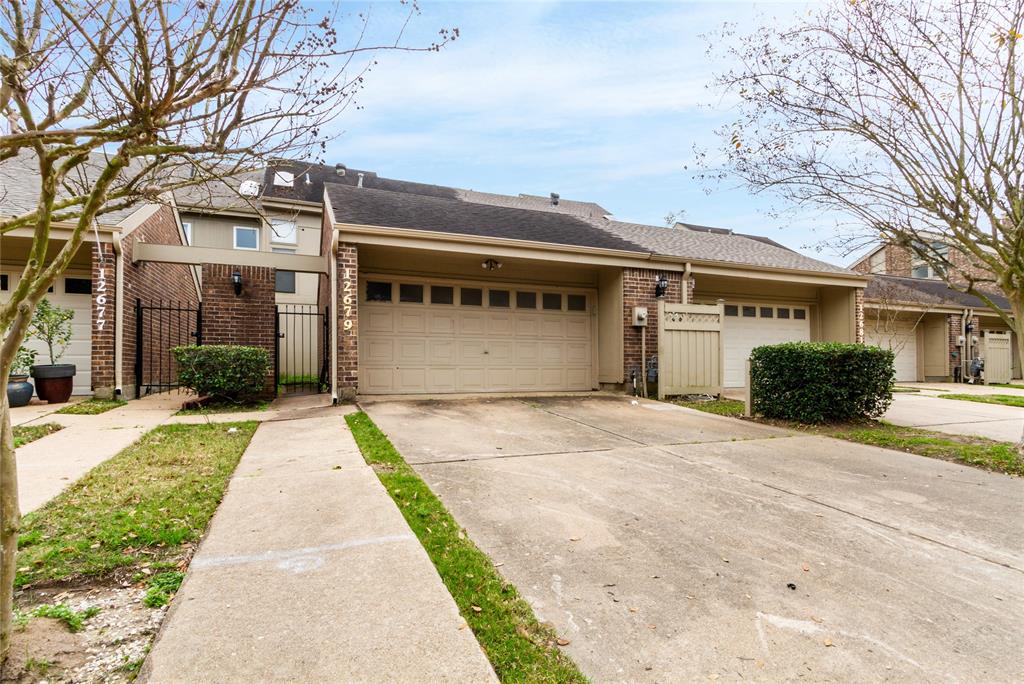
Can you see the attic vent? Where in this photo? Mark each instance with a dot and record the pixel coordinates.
(554, 198)
(284, 179)
(249, 188)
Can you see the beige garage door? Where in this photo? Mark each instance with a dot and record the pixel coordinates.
(70, 291)
(752, 325)
(901, 338)
(419, 337)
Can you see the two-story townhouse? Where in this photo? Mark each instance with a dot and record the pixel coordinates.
(935, 330)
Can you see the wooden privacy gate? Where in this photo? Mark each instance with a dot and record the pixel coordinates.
(690, 351)
(998, 357)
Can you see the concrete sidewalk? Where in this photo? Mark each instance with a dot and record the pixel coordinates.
(310, 573)
(994, 421)
(48, 465)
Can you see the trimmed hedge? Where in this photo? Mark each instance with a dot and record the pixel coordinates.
(819, 382)
(224, 372)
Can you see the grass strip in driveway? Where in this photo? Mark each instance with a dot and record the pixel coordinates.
(518, 646)
(1003, 399)
(23, 434)
(145, 507)
(970, 450)
(91, 407)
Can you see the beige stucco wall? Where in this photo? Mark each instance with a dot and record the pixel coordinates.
(609, 326)
(836, 314)
(933, 347)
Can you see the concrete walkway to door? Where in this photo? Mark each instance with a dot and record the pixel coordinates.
(309, 573)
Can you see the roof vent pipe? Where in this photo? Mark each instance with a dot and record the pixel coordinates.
(340, 169)
(554, 198)
(360, 183)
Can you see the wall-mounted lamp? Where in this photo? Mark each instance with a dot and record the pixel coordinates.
(661, 287)
(236, 281)
(490, 265)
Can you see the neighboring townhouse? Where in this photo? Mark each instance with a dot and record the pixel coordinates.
(381, 286)
(934, 330)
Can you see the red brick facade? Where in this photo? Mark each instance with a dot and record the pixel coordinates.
(150, 282)
(638, 290)
(244, 319)
(348, 320)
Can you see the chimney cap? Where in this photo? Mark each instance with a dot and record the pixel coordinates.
(555, 197)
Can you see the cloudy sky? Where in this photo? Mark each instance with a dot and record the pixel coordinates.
(602, 102)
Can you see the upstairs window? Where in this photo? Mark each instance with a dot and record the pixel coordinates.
(186, 227)
(283, 232)
(247, 237)
(919, 268)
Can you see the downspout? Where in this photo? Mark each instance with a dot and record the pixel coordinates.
(335, 238)
(686, 283)
(118, 315)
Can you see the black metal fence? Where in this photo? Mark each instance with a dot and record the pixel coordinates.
(159, 328)
(301, 357)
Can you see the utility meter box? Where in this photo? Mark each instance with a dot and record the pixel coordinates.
(640, 316)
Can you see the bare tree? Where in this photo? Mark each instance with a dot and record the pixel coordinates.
(887, 319)
(904, 115)
(113, 103)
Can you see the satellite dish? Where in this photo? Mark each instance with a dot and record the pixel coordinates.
(249, 188)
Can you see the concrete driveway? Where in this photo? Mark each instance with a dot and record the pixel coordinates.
(1003, 423)
(674, 545)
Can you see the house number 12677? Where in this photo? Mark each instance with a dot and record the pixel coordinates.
(348, 292)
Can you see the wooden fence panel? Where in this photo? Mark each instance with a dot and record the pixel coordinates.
(690, 354)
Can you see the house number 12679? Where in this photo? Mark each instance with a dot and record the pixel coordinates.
(348, 292)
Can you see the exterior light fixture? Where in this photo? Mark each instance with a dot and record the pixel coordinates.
(236, 282)
(490, 265)
(661, 287)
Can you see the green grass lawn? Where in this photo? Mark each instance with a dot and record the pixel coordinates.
(979, 452)
(722, 407)
(91, 407)
(23, 434)
(1004, 399)
(137, 510)
(224, 407)
(519, 647)
(1020, 387)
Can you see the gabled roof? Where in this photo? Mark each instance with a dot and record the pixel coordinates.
(728, 247)
(386, 208)
(19, 186)
(924, 291)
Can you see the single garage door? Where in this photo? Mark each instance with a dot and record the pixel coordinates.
(71, 291)
(899, 336)
(437, 337)
(753, 325)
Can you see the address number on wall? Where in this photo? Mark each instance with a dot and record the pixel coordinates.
(347, 298)
(101, 298)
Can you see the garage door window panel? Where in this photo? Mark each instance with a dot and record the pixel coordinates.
(471, 296)
(526, 300)
(410, 294)
(783, 313)
(499, 298)
(552, 301)
(78, 286)
(442, 294)
(767, 312)
(749, 311)
(799, 314)
(577, 302)
(378, 292)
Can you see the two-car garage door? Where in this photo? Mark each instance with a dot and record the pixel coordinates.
(437, 337)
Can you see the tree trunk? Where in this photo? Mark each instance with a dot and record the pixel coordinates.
(1017, 306)
(10, 523)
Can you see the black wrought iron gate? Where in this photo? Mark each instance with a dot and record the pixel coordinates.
(301, 357)
(159, 328)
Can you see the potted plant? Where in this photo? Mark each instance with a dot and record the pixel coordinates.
(19, 389)
(51, 325)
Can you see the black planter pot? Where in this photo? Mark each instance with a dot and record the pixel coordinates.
(54, 382)
(19, 391)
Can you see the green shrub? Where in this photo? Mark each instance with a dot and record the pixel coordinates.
(819, 382)
(224, 372)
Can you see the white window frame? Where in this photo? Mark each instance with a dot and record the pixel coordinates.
(234, 235)
(186, 228)
(277, 239)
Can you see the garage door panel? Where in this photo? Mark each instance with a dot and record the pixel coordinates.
(379, 320)
(577, 328)
(442, 323)
(422, 347)
(901, 338)
(471, 323)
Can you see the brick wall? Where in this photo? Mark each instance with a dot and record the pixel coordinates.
(347, 309)
(150, 282)
(638, 290)
(245, 319)
(858, 310)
